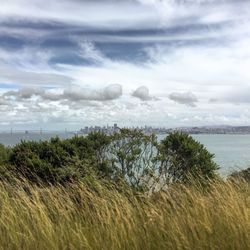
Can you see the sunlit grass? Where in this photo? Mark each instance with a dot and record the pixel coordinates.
(98, 216)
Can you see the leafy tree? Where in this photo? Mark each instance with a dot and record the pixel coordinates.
(128, 155)
(181, 157)
(131, 154)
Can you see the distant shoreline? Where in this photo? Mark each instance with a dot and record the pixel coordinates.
(152, 132)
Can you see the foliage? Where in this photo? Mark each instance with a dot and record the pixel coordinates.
(95, 200)
(4, 154)
(131, 154)
(51, 162)
(6, 170)
(241, 175)
(92, 149)
(181, 158)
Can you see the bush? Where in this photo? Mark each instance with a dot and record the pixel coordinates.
(92, 150)
(4, 154)
(130, 155)
(60, 161)
(241, 175)
(51, 162)
(181, 158)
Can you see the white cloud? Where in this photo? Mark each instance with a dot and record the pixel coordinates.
(105, 14)
(142, 93)
(108, 93)
(186, 98)
(75, 94)
(211, 60)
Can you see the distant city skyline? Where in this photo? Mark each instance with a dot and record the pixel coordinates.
(110, 129)
(164, 63)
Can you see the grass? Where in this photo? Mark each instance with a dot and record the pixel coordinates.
(98, 216)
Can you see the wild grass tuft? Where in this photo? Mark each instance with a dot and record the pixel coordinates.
(102, 216)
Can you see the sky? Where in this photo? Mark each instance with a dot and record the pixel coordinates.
(162, 63)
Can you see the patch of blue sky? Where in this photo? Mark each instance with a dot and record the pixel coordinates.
(8, 86)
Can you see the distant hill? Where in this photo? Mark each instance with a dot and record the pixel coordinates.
(221, 129)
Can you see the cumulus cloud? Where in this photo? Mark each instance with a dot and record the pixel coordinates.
(200, 45)
(3, 102)
(142, 93)
(186, 98)
(111, 92)
(108, 93)
(213, 100)
(24, 93)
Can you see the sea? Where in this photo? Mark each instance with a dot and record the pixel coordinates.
(231, 151)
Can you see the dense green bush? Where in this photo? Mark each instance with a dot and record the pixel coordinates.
(4, 154)
(92, 150)
(182, 158)
(53, 161)
(6, 169)
(127, 155)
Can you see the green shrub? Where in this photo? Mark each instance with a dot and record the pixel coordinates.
(92, 150)
(4, 154)
(182, 158)
(51, 162)
(241, 175)
(130, 155)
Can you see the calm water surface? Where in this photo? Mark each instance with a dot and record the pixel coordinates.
(231, 151)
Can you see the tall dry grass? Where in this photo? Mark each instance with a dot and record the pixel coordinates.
(98, 216)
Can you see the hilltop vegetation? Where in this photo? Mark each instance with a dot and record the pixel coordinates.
(128, 155)
(120, 191)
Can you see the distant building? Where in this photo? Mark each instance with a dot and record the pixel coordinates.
(115, 127)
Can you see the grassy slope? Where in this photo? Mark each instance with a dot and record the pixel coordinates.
(79, 217)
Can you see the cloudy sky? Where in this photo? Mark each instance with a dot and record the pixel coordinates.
(71, 63)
